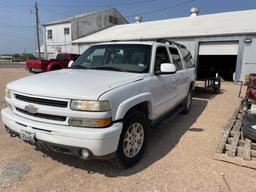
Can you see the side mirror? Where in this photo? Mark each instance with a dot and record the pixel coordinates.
(166, 68)
(70, 63)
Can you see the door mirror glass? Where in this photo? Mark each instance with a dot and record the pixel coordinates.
(167, 68)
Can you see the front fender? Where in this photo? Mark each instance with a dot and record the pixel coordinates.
(126, 105)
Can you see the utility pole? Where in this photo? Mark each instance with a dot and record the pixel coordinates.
(37, 31)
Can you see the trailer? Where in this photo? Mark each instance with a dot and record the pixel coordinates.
(209, 75)
(210, 84)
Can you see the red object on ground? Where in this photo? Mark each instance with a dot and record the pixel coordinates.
(62, 60)
(252, 94)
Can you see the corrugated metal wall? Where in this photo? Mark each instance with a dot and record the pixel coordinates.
(247, 55)
(249, 58)
(86, 25)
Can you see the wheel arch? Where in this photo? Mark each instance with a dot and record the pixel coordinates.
(53, 66)
(142, 102)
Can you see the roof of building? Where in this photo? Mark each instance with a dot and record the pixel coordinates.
(227, 23)
(69, 19)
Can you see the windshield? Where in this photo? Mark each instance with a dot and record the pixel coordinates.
(115, 57)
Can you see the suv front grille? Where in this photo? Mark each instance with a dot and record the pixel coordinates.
(41, 115)
(48, 102)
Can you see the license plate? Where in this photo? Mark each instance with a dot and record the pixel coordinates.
(27, 136)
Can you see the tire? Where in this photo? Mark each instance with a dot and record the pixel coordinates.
(135, 131)
(217, 87)
(187, 102)
(248, 122)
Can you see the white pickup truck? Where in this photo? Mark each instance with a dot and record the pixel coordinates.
(104, 104)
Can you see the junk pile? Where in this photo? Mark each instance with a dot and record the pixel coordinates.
(249, 120)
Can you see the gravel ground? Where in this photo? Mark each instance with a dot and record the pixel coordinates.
(13, 65)
(179, 156)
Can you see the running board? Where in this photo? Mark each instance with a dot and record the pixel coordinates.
(168, 116)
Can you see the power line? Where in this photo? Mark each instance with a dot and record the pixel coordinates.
(106, 5)
(12, 6)
(16, 37)
(14, 26)
(161, 9)
(130, 3)
(22, 27)
(55, 12)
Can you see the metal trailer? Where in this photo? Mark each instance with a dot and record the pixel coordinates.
(213, 83)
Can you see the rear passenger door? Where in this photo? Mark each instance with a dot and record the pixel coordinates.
(180, 74)
(190, 74)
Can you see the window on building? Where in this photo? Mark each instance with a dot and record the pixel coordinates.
(176, 58)
(110, 19)
(115, 20)
(49, 34)
(66, 31)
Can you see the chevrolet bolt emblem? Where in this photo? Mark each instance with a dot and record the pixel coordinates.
(31, 109)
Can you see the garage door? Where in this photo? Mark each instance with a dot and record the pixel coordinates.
(218, 48)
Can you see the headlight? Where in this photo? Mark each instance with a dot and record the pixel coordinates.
(81, 105)
(7, 93)
(95, 123)
(7, 105)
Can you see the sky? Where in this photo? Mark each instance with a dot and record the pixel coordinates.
(17, 18)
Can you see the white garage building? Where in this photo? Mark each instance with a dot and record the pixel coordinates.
(222, 42)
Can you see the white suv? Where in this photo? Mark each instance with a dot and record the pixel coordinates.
(105, 103)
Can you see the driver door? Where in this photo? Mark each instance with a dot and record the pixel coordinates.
(164, 86)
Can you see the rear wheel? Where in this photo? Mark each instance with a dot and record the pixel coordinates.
(187, 102)
(133, 140)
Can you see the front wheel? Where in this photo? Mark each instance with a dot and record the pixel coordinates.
(187, 102)
(133, 140)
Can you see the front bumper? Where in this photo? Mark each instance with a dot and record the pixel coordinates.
(99, 141)
(35, 70)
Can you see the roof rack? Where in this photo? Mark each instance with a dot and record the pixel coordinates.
(156, 40)
(170, 42)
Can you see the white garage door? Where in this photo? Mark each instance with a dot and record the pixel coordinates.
(218, 48)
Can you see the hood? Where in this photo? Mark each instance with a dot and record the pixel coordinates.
(73, 83)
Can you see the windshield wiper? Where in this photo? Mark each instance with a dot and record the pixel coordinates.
(109, 68)
(79, 67)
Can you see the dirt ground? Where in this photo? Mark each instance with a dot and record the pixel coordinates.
(179, 156)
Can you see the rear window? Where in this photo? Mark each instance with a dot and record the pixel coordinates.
(74, 57)
(188, 59)
(62, 57)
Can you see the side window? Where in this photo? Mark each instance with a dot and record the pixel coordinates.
(74, 57)
(188, 59)
(62, 57)
(176, 58)
(161, 57)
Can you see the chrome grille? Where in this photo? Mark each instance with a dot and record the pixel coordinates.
(41, 115)
(48, 102)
